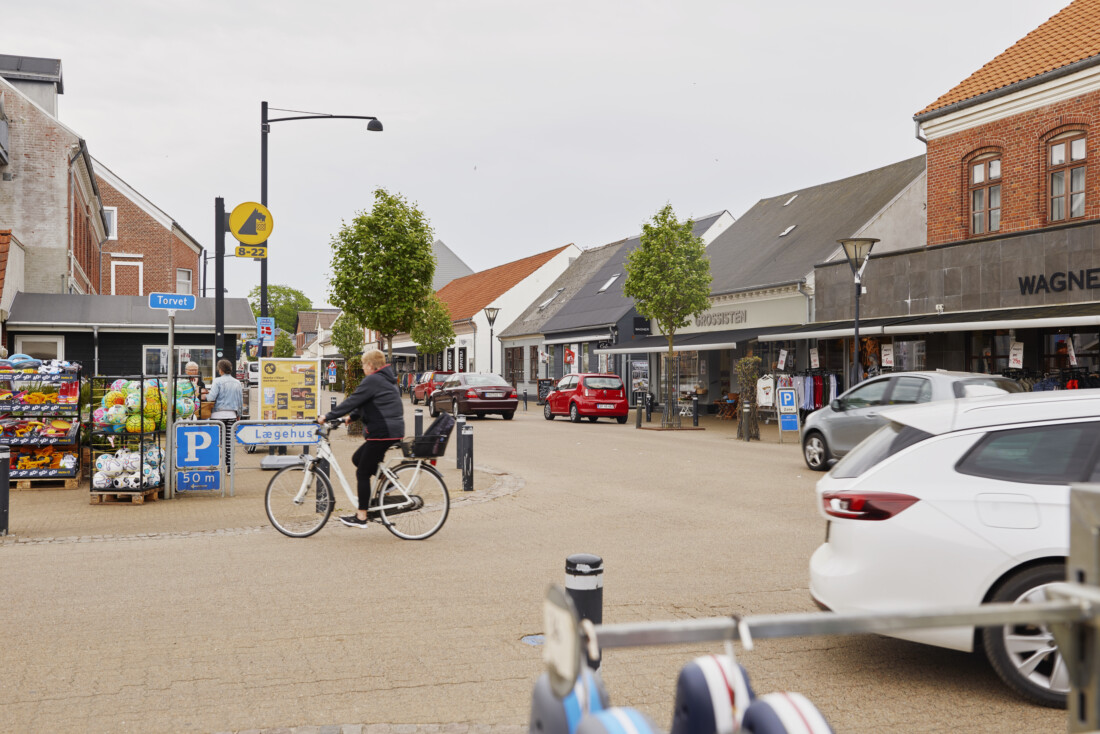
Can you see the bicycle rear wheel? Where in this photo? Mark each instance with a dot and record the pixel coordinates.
(295, 512)
(417, 509)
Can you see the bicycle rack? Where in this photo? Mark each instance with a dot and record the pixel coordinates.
(1074, 618)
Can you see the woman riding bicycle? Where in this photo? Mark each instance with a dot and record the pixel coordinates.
(377, 403)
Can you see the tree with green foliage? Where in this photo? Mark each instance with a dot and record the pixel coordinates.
(347, 336)
(668, 276)
(433, 331)
(283, 303)
(284, 345)
(383, 265)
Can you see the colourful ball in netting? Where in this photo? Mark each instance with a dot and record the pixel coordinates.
(118, 385)
(139, 423)
(133, 401)
(116, 415)
(114, 397)
(184, 389)
(185, 407)
(99, 416)
(153, 409)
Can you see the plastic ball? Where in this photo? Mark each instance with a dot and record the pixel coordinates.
(116, 414)
(100, 480)
(153, 409)
(101, 462)
(152, 392)
(139, 423)
(185, 407)
(133, 400)
(133, 386)
(99, 416)
(153, 455)
(185, 389)
(111, 466)
(147, 470)
(114, 397)
(132, 462)
(118, 384)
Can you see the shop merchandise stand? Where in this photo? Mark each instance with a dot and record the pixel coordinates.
(40, 415)
(129, 417)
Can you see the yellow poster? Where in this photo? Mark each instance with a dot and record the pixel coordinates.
(290, 389)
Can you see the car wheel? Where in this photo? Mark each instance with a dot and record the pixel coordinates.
(480, 414)
(412, 397)
(507, 415)
(815, 451)
(621, 419)
(546, 412)
(432, 410)
(454, 409)
(573, 414)
(1025, 656)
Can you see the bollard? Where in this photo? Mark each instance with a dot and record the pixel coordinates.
(524, 400)
(746, 414)
(5, 486)
(638, 416)
(333, 406)
(695, 411)
(584, 584)
(648, 407)
(459, 426)
(467, 458)
(418, 422)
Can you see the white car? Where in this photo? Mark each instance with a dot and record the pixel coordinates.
(959, 503)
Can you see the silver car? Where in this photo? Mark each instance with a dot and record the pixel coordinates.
(835, 430)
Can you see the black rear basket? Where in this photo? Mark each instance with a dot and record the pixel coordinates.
(425, 447)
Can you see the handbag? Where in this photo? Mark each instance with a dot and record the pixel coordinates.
(206, 408)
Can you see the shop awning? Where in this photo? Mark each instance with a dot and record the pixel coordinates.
(692, 342)
(75, 312)
(595, 336)
(831, 329)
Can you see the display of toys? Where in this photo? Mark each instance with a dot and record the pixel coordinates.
(125, 470)
(42, 457)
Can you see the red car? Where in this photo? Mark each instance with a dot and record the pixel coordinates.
(429, 382)
(476, 393)
(590, 395)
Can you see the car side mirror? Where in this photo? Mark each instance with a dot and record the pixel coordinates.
(836, 405)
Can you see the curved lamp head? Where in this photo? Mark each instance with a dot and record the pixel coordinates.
(857, 250)
(374, 126)
(491, 314)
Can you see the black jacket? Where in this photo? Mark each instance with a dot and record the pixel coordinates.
(376, 402)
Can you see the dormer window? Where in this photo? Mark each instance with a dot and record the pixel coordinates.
(985, 194)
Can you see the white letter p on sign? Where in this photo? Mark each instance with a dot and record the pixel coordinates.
(196, 442)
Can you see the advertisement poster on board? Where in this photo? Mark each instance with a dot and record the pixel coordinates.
(639, 376)
(290, 389)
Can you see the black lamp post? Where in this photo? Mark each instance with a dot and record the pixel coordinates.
(375, 126)
(858, 251)
(491, 314)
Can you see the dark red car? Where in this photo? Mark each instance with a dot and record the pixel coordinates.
(592, 396)
(429, 382)
(475, 393)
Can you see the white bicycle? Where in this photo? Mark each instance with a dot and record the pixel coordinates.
(410, 496)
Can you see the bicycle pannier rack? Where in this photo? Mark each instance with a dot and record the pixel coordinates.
(434, 441)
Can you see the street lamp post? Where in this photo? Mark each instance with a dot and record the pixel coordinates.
(858, 251)
(491, 314)
(374, 126)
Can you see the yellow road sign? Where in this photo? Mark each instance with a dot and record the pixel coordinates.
(256, 252)
(251, 223)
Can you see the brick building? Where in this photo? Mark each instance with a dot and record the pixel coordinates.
(146, 251)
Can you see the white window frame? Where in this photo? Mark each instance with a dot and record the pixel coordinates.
(56, 338)
(208, 378)
(190, 280)
(127, 263)
(113, 234)
(610, 280)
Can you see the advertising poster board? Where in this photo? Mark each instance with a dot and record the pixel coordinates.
(1016, 356)
(887, 355)
(639, 376)
(815, 361)
(290, 389)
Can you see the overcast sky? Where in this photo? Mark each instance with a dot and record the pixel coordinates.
(516, 127)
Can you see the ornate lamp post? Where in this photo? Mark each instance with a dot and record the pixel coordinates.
(491, 314)
(858, 251)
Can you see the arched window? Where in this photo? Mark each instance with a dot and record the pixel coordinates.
(1066, 158)
(984, 175)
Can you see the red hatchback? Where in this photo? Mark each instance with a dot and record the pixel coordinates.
(590, 395)
(429, 382)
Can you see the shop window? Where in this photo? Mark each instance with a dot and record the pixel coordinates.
(584, 358)
(985, 195)
(1066, 158)
(40, 347)
(533, 363)
(156, 360)
(909, 355)
(684, 374)
(1069, 351)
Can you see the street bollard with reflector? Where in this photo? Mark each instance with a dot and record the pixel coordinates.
(584, 584)
(418, 422)
(467, 458)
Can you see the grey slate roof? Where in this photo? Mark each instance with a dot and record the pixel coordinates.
(120, 313)
(448, 266)
(589, 308)
(572, 280)
(32, 68)
(752, 254)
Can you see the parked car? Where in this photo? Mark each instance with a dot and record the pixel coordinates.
(429, 382)
(959, 503)
(591, 396)
(474, 393)
(833, 431)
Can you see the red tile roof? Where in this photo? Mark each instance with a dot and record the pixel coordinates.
(466, 296)
(1071, 35)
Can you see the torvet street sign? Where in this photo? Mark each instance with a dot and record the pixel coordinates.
(251, 223)
(788, 399)
(256, 252)
(198, 445)
(172, 301)
(276, 434)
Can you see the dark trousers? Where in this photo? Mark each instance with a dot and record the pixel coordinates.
(366, 459)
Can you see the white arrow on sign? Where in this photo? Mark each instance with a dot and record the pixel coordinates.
(276, 434)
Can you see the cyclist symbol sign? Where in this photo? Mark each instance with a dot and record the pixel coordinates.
(251, 223)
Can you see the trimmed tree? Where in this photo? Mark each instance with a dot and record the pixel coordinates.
(347, 337)
(433, 331)
(383, 265)
(284, 345)
(283, 304)
(668, 276)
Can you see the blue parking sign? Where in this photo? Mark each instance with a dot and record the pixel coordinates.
(788, 400)
(198, 445)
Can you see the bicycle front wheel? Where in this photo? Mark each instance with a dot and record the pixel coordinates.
(299, 501)
(417, 508)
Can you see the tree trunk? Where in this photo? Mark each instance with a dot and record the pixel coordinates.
(671, 413)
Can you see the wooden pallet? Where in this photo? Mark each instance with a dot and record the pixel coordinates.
(51, 483)
(136, 496)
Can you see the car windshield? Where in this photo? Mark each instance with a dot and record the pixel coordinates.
(439, 378)
(603, 383)
(486, 381)
(977, 386)
(876, 448)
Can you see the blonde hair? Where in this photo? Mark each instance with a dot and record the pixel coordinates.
(375, 358)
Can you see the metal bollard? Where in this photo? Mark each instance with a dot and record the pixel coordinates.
(5, 487)
(746, 413)
(638, 416)
(333, 406)
(418, 422)
(524, 400)
(459, 426)
(648, 407)
(584, 584)
(695, 411)
(467, 458)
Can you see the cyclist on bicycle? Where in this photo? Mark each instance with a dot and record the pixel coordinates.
(377, 403)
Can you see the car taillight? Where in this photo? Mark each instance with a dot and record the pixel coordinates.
(586, 392)
(513, 394)
(865, 505)
(471, 393)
